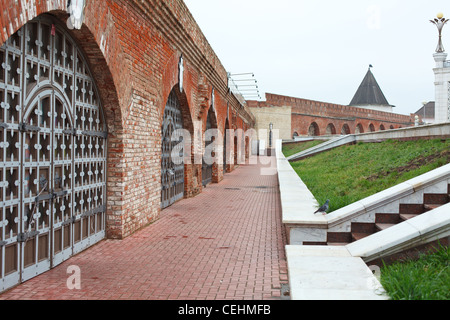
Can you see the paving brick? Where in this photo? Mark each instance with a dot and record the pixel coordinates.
(223, 250)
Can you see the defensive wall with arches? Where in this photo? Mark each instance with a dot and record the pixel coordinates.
(86, 123)
(315, 118)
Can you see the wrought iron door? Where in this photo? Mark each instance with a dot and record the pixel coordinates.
(52, 151)
(207, 166)
(172, 172)
(225, 147)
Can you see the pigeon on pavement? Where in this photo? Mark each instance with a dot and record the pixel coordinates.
(323, 209)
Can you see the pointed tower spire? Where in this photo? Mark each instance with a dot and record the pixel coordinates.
(370, 95)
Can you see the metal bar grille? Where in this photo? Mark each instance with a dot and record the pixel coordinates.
(172, 175)
(207, 167)
(52, 153)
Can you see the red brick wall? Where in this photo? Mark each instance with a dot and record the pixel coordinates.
(306, 112)
(133, 48)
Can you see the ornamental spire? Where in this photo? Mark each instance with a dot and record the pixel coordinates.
(440, 21)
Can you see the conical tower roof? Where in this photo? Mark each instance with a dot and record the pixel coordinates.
(369, 93)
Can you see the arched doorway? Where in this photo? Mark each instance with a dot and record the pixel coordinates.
(331, 129)
(172, 171)
(226, 143)
(53, 149)
(345, 130)
(313, 130)
(359, 129)
(207, 162)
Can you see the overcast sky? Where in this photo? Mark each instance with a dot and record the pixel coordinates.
(321, 49)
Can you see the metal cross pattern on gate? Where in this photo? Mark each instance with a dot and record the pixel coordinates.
(52, 152)
(172, 173)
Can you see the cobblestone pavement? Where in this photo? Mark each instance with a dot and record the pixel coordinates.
(226, 243)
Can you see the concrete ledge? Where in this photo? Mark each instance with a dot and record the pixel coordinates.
(298, 204)
(330, 273)
(330, 144)
(439, 130)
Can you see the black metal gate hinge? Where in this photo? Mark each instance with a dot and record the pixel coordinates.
(96, 134)
(23, 127)
(95, 211)
(70, 131)
(69, 221)
(22, 237)
(50, 196)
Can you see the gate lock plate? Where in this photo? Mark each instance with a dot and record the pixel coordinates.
(50, 196)
(69, 221)
(23, 127)
(22, 237)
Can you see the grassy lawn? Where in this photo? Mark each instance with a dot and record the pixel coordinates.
(294, 148)
(351, 173)
(425, 279)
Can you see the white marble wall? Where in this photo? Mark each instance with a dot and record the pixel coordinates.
(442, 85)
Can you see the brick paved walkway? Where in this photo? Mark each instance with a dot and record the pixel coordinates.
(226, 243)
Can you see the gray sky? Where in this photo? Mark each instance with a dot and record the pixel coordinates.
(321, 49)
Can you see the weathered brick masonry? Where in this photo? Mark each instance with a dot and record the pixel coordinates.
(337, 118)
(133, 48)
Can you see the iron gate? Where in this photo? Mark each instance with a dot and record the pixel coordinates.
(172, 172)
(225, 147)
(52, 151)
(207, 166)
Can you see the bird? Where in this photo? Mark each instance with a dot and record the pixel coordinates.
(323, 209)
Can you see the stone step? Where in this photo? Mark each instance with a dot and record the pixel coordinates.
(385, 221)
(363, 227)
(338, 244)
(429, 207)
(387, 218)
(435, 198)
(359, 235)
(339, 237)
(384, 226)
(407, 216)
(314, 243)
(411, 208)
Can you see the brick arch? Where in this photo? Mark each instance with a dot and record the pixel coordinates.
(192, 171)
(103, 77)
(212, 114)
(382, 127)
(331, 129)
(169, 82)
(314, 130)
(88, 44)
(359, 128)
(17, 21)
(371, 128)
(345, 129)
(228, 167)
